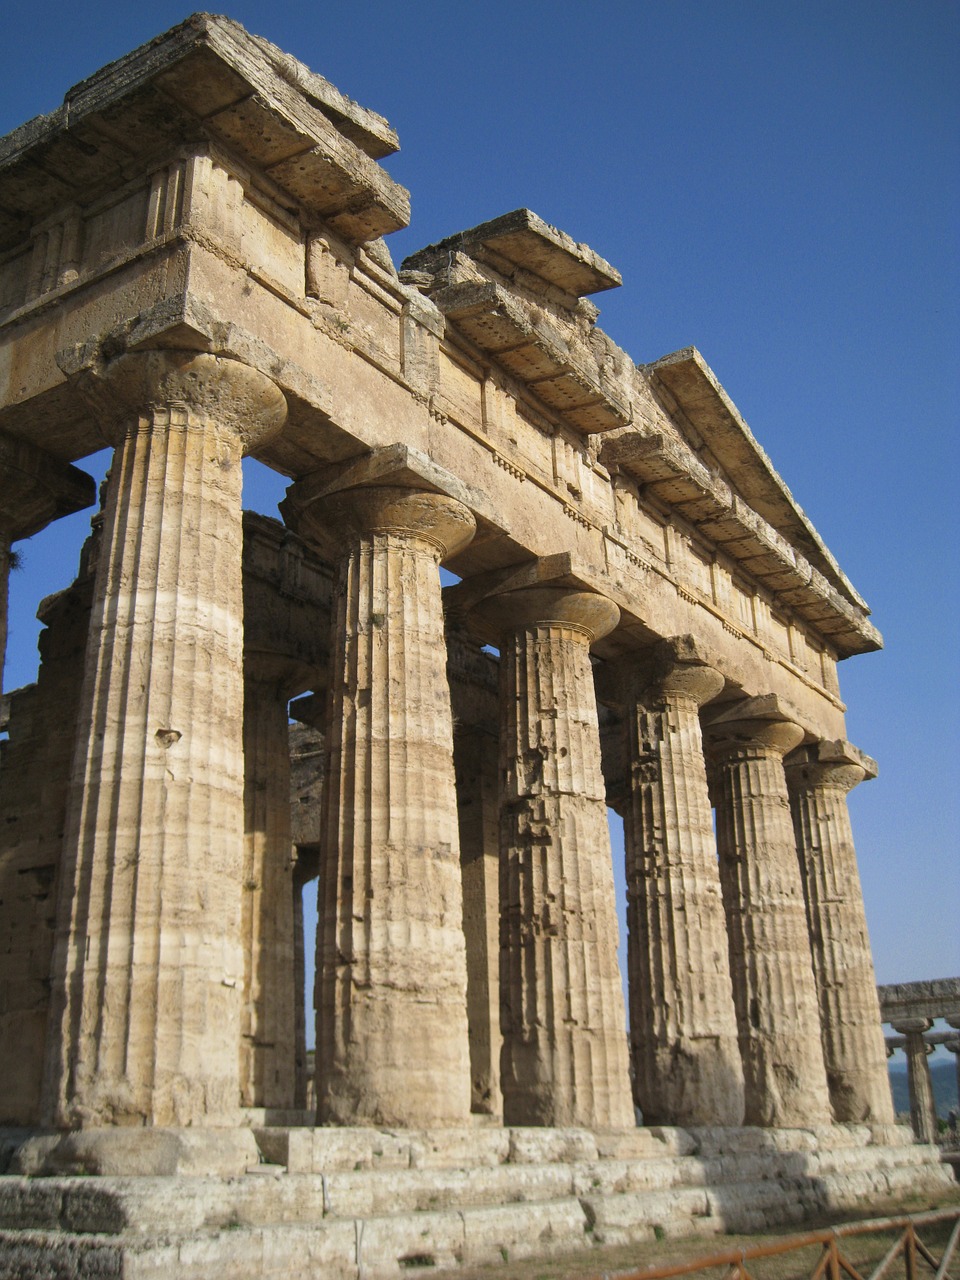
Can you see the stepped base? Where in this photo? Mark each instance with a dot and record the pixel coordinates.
(361, 1204)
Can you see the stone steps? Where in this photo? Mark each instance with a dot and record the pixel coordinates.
(373, 1204)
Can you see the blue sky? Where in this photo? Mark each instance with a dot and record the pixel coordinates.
(779, 183)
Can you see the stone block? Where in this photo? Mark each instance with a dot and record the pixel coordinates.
(540, 1146)
(510, 1232)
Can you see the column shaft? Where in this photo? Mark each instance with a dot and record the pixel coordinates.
(148, 963)
(391, 1025)
(853, 1047)
(476, 757)
(923, 1111)
(268, 1027)
(564, 1058)
(683, 1027)
(773, 984)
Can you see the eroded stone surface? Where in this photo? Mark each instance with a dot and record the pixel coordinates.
(564, 1059)
(819, 780)
(773, 984)
(683, 1029)
(391, 1026)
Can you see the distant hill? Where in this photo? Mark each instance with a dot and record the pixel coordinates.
(944, 1078)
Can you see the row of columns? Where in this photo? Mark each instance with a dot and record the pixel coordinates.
(726, 1010)
(923, 1107)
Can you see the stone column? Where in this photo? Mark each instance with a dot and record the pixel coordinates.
(391, 1024)
(773, 985)
(564, 1059)
(923, 1111)
(953, 1046)
(473, 690)
(37, 488)
(148, 960)
(818, 779)
(683, 1028)
(268, 1047)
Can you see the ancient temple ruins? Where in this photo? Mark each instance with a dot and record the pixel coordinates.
(193, 270)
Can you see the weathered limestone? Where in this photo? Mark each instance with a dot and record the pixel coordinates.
(148, 966)
(819, 778)
(773, 984)
(473, 691)
(683, 1029)
(268, 1027)
(191, 269)
(923, 1111)
(34, 778)
(391, 1017)
(564, 1057)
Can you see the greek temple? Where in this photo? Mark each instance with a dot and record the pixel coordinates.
(636, 615)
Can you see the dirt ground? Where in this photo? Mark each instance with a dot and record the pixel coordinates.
(620, 1262)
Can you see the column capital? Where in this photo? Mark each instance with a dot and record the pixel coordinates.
(828, 763)
(394, 490)
(211, 388)
(586, 613)
(676, 669)
(762, 724)
(285, 673)
(912, 1026)
(435, 518)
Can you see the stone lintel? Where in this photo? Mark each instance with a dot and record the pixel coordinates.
(526, 241)
(207, 77)
(38, 488)
(938, 998)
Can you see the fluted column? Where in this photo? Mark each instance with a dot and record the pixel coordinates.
(683, 1028)
(564, 1058)
(269, 1036)
(148, 961)
(773, 985)
(923, 1110)
(391, 1023)
(819, 779)
(953, 1046)
(475, 756)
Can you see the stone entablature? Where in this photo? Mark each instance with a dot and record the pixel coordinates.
(936, 998)
(191, 271)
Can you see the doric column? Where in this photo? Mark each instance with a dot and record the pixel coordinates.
(564, 1059)
(36, 489)
(773, 985)
(473, 691)
(818, 779)
(268, 1027)
(923, 1110)
(953, 1046)
(683, 1028)
(148, 961)
(391, 1020)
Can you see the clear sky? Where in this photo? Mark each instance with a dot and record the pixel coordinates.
(779, 183)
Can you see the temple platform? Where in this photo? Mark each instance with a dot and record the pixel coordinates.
(366, 1204)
